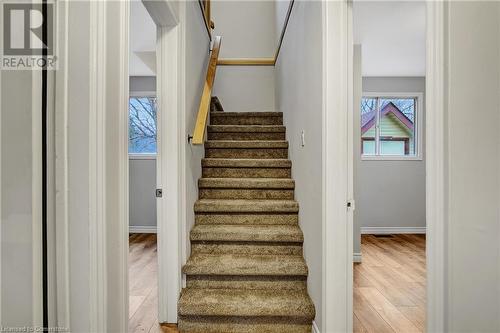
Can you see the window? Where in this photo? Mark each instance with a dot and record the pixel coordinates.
(389, 127)
(142, 125)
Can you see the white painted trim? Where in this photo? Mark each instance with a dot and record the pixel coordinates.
(350, 160)
(357, 257)
(420, 132)
(36, 198)
(337, 232)
(145, 93)
(142, 156)
(97, 168)
(169, 168)
(61, 168)
(392, 230)
(138, 229)
(436, 178)
(183, 232)
(1, 243)
(390, 158)
(315, 328)
(123, 167)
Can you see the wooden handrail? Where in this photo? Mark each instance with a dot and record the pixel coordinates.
(246, 62)
(201, 119)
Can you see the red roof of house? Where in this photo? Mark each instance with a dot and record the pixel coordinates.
(368, 118)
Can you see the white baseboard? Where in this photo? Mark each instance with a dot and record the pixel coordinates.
(392, 230)
(356, 257)
(315, 328)
(137, 229)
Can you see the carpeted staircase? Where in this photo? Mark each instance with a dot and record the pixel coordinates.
(246, 272)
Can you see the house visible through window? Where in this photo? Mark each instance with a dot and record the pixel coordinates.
(388, 126)
(142, 125)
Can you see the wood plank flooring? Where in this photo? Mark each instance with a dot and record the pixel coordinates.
(390, 284)
(143, 286)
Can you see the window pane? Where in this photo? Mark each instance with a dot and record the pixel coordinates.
(368, 147)
(397, 126)
(142, 125)
(392, 147)
(368, 113)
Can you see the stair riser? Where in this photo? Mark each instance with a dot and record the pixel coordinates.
(245, 120)
(247, 219)
(247, 173)
(232, 248)
(223, 282)
(195, 324)
(263, 153)
(271, 194)
(245, 136)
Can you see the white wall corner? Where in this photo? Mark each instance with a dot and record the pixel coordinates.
(356, 257)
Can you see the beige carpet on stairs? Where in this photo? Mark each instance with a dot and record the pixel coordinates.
(246, 272)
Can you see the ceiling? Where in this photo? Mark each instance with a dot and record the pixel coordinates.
(392, 35)
(142, 41)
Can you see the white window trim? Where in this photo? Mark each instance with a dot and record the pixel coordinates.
(142, 156)
(419, 122)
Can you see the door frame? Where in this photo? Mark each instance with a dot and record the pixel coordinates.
(108, 192)
(170, 156)
(338, 162)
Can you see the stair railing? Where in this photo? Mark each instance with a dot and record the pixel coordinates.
(201, 119)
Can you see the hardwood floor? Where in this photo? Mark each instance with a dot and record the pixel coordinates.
(390, 284)
(143, 286)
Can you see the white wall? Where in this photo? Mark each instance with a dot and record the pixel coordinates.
(389, 193)
(299, 96)
(142, 172)
(16, 199)
(281, 9)
(472, 157)
(78, 165)
(197, 47)
(248, 31)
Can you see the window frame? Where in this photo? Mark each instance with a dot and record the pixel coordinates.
(419, 97)
(141, 156)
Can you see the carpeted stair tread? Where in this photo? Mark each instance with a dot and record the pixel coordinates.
(254, 183)
(246, 303)
(247, 128)
(249, 144)
(247, 233)
(210, 324)
(244, 264)
(245, 163)
(246, 206)
(246, 272)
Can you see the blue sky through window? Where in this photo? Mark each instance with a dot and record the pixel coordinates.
(142, 125)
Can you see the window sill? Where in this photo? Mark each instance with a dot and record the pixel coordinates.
(392, 158)
(148, 156)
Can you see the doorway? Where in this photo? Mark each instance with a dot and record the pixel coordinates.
(389, 172)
